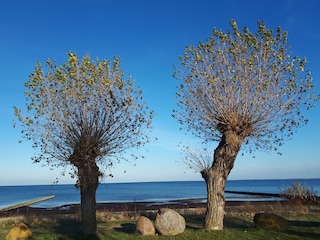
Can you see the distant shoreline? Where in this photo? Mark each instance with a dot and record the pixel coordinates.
(184, 206)
(133, 206)
(142, 182)
(251, 197)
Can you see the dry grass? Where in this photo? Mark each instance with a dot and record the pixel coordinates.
(238, 222)
(278, 207)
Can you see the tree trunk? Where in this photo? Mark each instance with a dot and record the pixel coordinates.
(216, 178)
(89, 180)
(215, 199)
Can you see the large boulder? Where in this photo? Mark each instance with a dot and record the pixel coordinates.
(168, 222)
(270, 221)
(145, 227)
(21, 232)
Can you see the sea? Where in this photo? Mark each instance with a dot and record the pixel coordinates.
(159, 192)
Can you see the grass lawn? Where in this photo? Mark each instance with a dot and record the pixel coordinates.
(236, 226)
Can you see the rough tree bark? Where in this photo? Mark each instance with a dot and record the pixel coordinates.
(216, 177)
(88, 179)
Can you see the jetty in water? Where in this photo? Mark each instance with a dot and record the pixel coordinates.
(24, 204)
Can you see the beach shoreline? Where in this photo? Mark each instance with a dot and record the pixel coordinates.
(139, 207)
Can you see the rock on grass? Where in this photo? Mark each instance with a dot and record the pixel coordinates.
(169, 222)
(145, 227)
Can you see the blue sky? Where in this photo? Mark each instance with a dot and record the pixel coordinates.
(148, 36)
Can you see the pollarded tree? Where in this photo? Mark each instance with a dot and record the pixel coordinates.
(240, 88)
(84, 114)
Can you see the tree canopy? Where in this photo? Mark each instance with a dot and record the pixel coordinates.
(83, 106)
(247, 82)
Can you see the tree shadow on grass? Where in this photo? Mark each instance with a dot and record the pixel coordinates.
(304, 224)
(68, 226)
(72, 229)
(197, 222)
(126, 228)
(304, 229)
(235, 222)
(303, 234)
(194, 221)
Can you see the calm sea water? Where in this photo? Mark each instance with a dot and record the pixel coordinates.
(144, 191)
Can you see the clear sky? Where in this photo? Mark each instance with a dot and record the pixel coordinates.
(148, 35)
